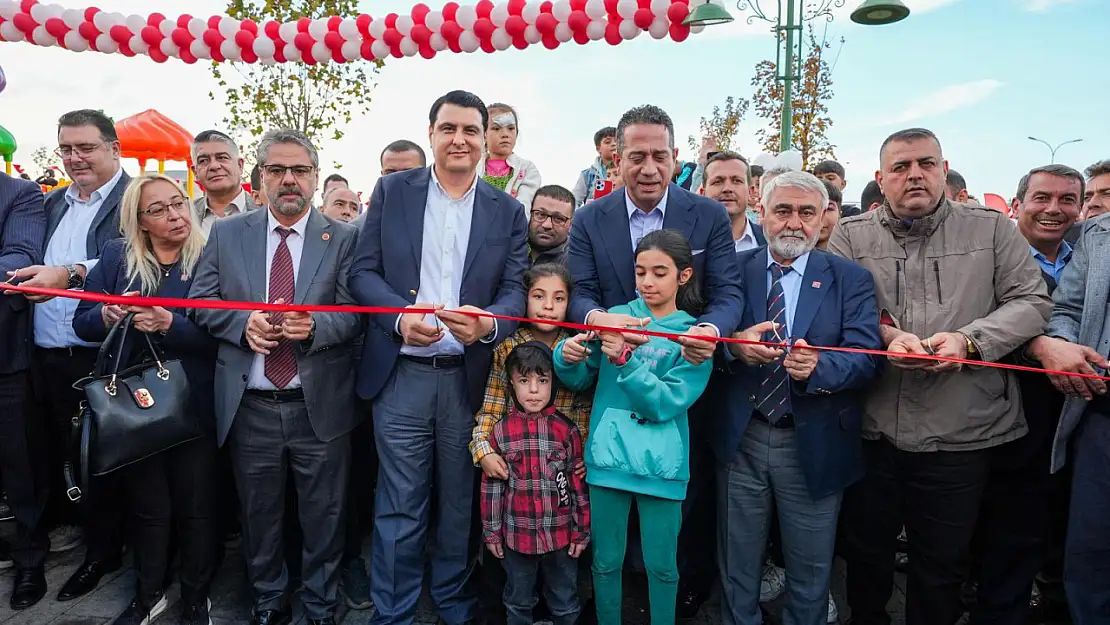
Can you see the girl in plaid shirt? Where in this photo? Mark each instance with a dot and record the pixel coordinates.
(538, 518)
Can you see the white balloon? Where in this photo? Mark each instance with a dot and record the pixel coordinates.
(348, 29)
(379, 49)
(468, 41)
(231, 50)
(595, 9)
(659, 28)
(532, 34)
(377, 29)
(269, 61)
(791, 159)
(9, 8)
(627, 8)
(42, 37)
(764, 160)
(166, 27)
(138, 46)
(563, 33)
(438, 43)
(105, 44)
(500, 39)
(317, 29)
(409, 47)
(73, 18)
(499, 15)
(264, 48)
(200, 49)
(169, 48)
(404, 25)
(287, 32)
(10, 33)
(321, 52)
(466, 16)
(434, 21)
(54, 10)
(291, 53)
(531, 11)
(102, 22)
(595, 30)
(561, 10)
(75, 42)
(697, 28)
(118, 19)
(196, 28)
(659, 8)
(38, 13)
(228, 27)
(351, 50)
(135, 22)
(629, 29)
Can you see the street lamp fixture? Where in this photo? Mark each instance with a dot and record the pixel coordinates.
(788, 60)
(1052, 150)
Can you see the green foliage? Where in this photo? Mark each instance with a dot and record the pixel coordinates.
(44, 158)
(721, 127)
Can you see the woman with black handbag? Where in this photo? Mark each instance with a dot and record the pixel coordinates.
(174, 487)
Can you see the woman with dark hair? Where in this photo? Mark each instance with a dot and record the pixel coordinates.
(501, 167)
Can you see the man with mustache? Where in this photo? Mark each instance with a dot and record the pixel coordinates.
(549, 224)
(786, 431)
(285, 398)
(219, 169)
(728, 179)
(954, 281)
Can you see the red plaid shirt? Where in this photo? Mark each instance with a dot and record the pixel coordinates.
(543, 506)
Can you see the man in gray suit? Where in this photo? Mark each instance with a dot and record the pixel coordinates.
(285, 399)
(219, 169)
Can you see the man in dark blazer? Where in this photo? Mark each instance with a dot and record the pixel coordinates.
(436, 237)
(787, 431)
(80, 220)
(605, 233)
(728, 180)
(285, 400)
(22, 231)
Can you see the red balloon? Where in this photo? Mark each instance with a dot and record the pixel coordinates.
(120, 34)
(24, 22)
(450, 31)
(516, 7)
(92, 11)
(391, 20)
(58, 29)
(88, 31)
(151, 35)
(272, 30)
(581, 37)
(613, 33)
(449, 11)
(392, 37)
(487, 46)
(427, 51)
(550, 42)
(334, 22)
(515, 26)
(419, 12)
(363, 23)
(244, 40)
(365, 51)
(454, 46)
(279, 54)
(611, 7)
(643, 4)
(157, 55)
(26, 5)
(249, 56)
(677, 12)
(337, 56)
(484, 8)
(302, 24)
(187, 56)
(182, 20)
(421, 34)
(307, 58)
(484, 28)
(303, 41)
(578, 5)
(125, 50)
(520, 42)
(250, 26)
(214, 21)
(181, 38)
(212, 39)
(333, 40)
(679, 32)
(547, 6)
(546, 23)
(395, 51)
(643, 18)
(155, 19)
(578, 21)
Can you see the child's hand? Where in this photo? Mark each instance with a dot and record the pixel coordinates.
(574, 551)
(498, 552)
(494, 467)
(575, 350)
(612, 344)
(580, 468)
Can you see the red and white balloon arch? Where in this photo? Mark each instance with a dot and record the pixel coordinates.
(486, 26)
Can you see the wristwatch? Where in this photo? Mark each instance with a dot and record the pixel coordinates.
(623, 360)
(75, 279)
(971, 351)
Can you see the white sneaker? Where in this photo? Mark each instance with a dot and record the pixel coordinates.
(773, 583)
(834, 615)
(65, 538)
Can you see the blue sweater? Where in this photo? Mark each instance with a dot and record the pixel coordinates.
(639, 436)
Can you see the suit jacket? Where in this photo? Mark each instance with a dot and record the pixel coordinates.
(387, 271)
(836, 307)
(1085, 279)
(22, 233)
(601, 259)
(194, 347)
(234, 267)
(200, 205)
(757, 232)
(105, 225)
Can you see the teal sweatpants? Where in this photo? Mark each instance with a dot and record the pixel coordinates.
(660, 521)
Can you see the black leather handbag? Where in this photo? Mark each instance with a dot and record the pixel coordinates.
(132, 414)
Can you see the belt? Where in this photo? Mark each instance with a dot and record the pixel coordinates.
(785, 422)
(1100, 403)
(67, 351)
(289, 394)
(437, 362)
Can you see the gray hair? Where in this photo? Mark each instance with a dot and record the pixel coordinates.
(1100, 168)
(772, 173)
(794, 180)
(213, 136)
(646, 114)
(285, 135)
(1062, 171)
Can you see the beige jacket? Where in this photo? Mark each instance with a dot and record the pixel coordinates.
(962, 269)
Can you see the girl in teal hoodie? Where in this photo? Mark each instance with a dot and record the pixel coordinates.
(639, 438)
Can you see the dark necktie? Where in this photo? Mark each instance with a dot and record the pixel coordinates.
(281, 363)
(774, 392)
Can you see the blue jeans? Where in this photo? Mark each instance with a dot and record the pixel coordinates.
(766, 470)
(1087, 550)
(560, 586)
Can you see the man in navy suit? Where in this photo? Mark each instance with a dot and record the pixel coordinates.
(22, 230)
(433, 237)
(605, 233)
(80, 221)
(788, 427)
(728, 180)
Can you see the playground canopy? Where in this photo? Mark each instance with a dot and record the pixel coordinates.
(151, 135)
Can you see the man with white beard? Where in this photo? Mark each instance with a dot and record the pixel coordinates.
(787, 432)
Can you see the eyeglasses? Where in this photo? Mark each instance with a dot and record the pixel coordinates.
(85, 149)
(558, 221)
(159, 210)
(299, 171)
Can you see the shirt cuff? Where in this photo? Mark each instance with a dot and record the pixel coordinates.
(710, 325)
(492, 334)
(88, 265)
(397, 326)
(586, 321)
(481, 450)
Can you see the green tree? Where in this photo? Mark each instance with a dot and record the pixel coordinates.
(810, 100)
(44, 159)
(720, 128)
(319, 100)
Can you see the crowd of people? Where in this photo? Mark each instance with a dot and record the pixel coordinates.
(497, 463)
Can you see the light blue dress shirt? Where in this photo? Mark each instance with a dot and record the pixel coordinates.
(641, 224)
(791, 288)
(1053, 269)
(67, 246)
(747, 240)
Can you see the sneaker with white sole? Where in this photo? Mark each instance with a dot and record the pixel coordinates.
(773, 583)
(65, 538)
(834, 614)
(138, 614)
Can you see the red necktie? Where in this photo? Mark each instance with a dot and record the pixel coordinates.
(281, 364)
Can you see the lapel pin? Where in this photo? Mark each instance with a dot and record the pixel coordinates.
(325, 236)
(816, 285)
(412, 292)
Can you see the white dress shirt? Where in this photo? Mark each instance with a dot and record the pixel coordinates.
(67, 246)
(747, 240)
(208, 217)
(641, 224)
(295, 242)
(791, 288)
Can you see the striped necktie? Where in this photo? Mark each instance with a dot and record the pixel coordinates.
(774, 392)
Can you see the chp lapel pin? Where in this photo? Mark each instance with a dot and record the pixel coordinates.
(325, 236)
(816, 284)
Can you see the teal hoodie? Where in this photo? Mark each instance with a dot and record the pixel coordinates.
(639, 436)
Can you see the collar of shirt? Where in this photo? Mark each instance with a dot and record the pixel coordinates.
(468, 196)
(799, 264)
(299, 227)
(1062, 258)
(660, 206)
(749, 238)
(240, 204)
(96, 196)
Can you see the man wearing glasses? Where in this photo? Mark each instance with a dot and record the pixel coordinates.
(549, 225)
(80, 220)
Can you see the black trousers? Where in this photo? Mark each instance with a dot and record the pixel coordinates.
(936, 495)
(697, 542)
(360, 488)
(173, 494)
(54, 402)
(17, 468)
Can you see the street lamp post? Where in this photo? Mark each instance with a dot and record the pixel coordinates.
(870, 12)
(1051, 149)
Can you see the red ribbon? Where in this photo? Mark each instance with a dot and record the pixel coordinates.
(173, 302)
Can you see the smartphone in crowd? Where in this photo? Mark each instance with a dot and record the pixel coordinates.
(602, 188)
